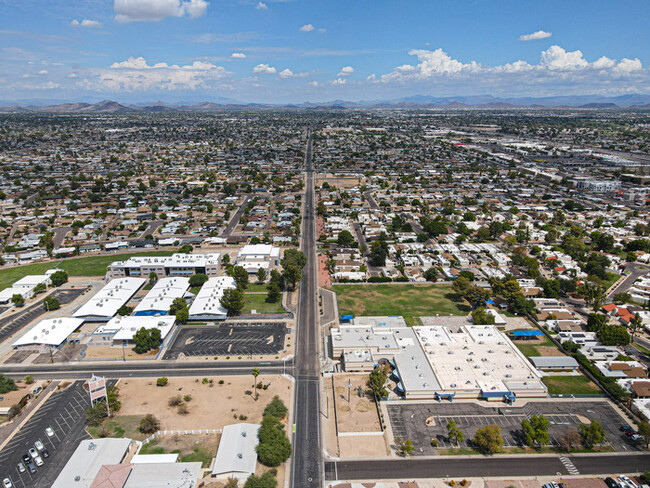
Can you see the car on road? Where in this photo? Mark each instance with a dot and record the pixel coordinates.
(612, 483)
(42, 449)
(49, 432)
(626, 428)
(39, 461)
(37, 390)
(7, 483)
(21, 467)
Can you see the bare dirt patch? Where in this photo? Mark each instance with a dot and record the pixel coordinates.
(210, 407)
(360, 413)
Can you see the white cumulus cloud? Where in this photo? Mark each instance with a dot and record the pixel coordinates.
(264, 69)
(307, 28)
(287, 73)
(238, 55)
(626, 65)
(535, 36)
(261, 6)
(557, 58)
(346, 71)
(155, 10)
(339, 82)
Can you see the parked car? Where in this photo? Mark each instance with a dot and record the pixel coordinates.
(32, 452)
(37, 390)
(626, 428)
(31, 466)
(21, 467)
(612, 483)
(7, 483)
(39, 461)
(636, 438)
(27, 458)
(49, 432)
(42, 449)
(626, 481)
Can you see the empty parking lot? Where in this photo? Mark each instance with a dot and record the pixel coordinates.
(409, 421)
(228, 340)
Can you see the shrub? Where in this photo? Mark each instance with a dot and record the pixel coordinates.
(277, 408)
(187, 398)
(7, 385)
(183, 410)
(29, 380)
(149, 424)
(162, 381)
(274, 446)
(175, 401)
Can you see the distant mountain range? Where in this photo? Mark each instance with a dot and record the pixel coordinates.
(593, 102)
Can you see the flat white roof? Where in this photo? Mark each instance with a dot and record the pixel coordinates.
(176, 475)
(109, 299)
(208, 297)
(50, 331)
(125, 328)
(154, 458)
(87, 460)
(161, 296)
(237, 451)
(258, 250)
(30, 281)
(175, 260)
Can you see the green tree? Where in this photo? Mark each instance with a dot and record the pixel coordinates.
(431, 274)
(7, 384)
(261, 275)
(198, 279)
(274, 447)
(535, 430)
(177, 304)
(277, 408)
(476, 296)
(146, 340)
(40, 288)
(481, 317)
(488, 439)
(636, 323)
(51, 303)
(613, 335)
(454, 434)
(265, 480)
(240, 276)
(345, 239)
(592, 434)
(96, 413)
(377, 382)
(595, 321)
(185, 249)
(59, 278)
(232, 300)
(378, 254)
(461, 285)
(124, 311)
(153, 278)
(17, 299)
(275, 293)
(255, 373)
(183, 315)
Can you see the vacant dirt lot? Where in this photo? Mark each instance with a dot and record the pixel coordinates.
(212, 405)
(360, 414)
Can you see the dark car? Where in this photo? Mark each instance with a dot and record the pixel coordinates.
(612, 483)
(31, 466)
(626, 428)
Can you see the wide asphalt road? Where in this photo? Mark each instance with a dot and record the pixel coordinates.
(136, 369)
(483, 466)
(306, 468)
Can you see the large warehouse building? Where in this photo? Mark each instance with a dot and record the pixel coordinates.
(175, 265)
(463, 361)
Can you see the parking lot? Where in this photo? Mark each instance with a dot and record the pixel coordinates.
(64, 413)
(12, 324)
(228, 340)
(409, 421)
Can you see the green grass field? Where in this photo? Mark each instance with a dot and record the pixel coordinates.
(85, 266)
(567, 385)
(530, 347)
(257, 302)
(407, 300)
(119, 426)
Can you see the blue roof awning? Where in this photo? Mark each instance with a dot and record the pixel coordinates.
(527, 333)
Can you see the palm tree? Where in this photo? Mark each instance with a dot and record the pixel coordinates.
(255, 373)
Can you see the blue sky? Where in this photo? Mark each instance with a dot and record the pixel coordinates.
(317, 50)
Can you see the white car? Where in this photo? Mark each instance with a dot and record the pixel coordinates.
(39, 461)
(33, 453)
(627, 482)
(49, 432)
(7, 483)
